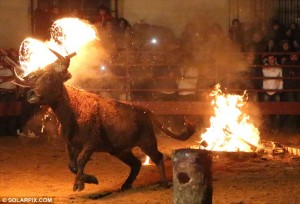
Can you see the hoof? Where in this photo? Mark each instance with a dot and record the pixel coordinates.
(126, 187)
(78, 187)
(90, 179)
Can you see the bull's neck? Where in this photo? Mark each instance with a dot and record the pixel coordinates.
(63, 109)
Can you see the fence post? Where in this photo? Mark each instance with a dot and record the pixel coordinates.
(192, 177)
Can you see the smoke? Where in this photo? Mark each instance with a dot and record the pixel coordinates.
(91, 70)
(85, 64)
(203, 44)
(217, 58)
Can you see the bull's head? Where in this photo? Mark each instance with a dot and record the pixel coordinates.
(45, 85)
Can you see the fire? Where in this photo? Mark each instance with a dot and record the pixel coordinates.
(34, 54)
(230, 129)
(67, 35)
(147, 161)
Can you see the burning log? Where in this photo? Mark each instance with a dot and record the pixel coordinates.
(293, 150)
(192, 176)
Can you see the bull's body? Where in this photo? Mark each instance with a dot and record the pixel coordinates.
(89, 123)
(109, 125)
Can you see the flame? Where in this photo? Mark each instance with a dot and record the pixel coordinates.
(230, 129)
(67, 35)
(147, 161)
(33, 55)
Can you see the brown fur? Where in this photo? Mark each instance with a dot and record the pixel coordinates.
(90, 123)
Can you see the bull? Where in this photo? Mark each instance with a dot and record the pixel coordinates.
(90, 123)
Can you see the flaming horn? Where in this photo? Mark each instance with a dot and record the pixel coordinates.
(20, 81)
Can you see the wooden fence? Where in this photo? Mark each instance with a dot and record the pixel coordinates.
(178, 107)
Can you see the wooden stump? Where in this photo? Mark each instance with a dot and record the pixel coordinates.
(192, 177)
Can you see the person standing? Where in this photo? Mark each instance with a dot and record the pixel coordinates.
(235, 32)
(272, 84)
(103, 16)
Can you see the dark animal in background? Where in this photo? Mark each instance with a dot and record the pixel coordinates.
(89, 123)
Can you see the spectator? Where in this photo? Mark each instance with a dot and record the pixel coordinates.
(285, 50)
(166, 90)
(276, 33)
(295, 30)
(296, 45)
(235, 32)
(254, 72)
(272, 87)
(292, 85)
(188, 83)
(123, 24)
(190, 38)
(258, 42)
(103, 16)
(75, 13)
(270, 47)
(247, 35)
(257, 46)
(126, 45)
(55, 14)
(109, 36)
(288, 36)
(41, 23)
(8, 123)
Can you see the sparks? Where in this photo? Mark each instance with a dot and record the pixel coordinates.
(34, 55)
(68, 35)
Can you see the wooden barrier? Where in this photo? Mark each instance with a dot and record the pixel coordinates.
(205, 108)
(10, 109)
(186, 108)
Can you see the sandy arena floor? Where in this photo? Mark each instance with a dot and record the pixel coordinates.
(38, 168)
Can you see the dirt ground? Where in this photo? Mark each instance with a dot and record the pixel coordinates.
(31, 167)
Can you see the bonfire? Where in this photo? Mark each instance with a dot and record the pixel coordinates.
(230, 128)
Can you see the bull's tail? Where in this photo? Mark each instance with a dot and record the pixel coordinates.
(190, 129)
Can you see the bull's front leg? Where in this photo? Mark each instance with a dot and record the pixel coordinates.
(72, 154)
(81, 177)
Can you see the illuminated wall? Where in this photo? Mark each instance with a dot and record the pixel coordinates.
(15, 22)
(15, 17)
(176, 13)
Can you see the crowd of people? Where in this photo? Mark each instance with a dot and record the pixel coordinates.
(277, 60)
(150, 63)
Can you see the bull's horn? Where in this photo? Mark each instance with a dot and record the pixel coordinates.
(59, 56)
(19, 81)
(71, 55)
(19, 78)
(12, 63)
(21, 85)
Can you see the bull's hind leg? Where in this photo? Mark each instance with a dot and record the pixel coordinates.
(149, 147)
(134, 163)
